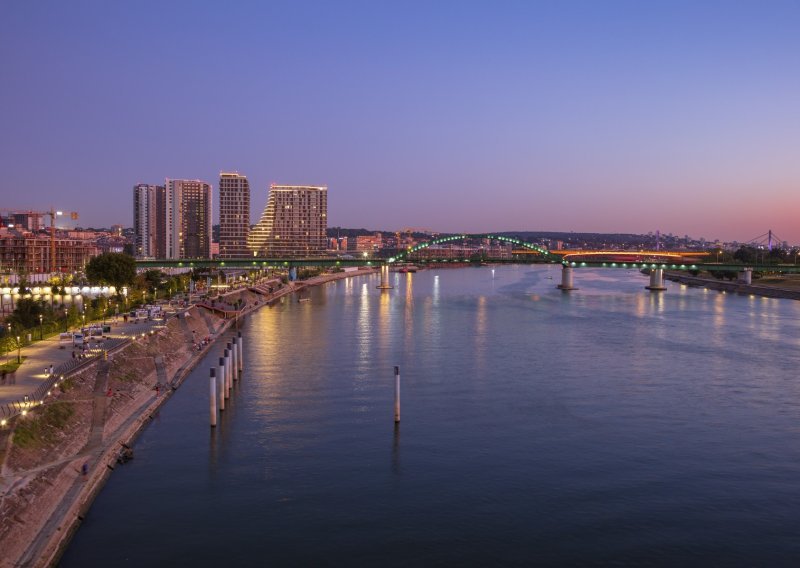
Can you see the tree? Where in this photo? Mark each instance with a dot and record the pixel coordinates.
(112, 268)
(746, 254)
(26, 313)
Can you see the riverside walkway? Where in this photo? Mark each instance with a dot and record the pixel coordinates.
(32, 374)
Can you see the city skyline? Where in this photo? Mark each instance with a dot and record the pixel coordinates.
(460, 117)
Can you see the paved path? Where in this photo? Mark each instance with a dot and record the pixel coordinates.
(41, 354)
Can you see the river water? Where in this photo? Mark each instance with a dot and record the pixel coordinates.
(605, 425)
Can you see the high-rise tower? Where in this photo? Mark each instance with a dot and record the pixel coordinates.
(234, 215)
(187, 219)
(294, 222)
(146, 226)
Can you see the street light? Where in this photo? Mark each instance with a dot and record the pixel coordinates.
(41, 333)
(19, 351)
(65, 319)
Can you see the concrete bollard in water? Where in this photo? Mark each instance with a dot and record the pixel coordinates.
(229, 347)
(212, 392)
(235, 359)
(241, 351)
(227, 356)
(397, 394)
(221, 383)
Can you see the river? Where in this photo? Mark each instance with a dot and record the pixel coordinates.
(604, 425)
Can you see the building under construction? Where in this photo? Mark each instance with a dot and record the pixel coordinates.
(26, 252)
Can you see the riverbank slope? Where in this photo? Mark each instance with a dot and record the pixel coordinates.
(773, 290)
(56, 459)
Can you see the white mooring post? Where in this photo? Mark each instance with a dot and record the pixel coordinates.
(227, 356)
(397, 394)
(221, 383)
(229, 347)
(235, 359)
(230, 369)
(241, 350)
(212, 391)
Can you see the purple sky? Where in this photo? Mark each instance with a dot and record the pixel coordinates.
(456, 116)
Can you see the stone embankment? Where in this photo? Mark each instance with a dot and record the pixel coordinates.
(733, 287)
(56, 459)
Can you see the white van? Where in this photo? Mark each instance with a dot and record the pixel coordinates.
(78, 339)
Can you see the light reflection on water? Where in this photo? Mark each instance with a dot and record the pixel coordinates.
(610, 424)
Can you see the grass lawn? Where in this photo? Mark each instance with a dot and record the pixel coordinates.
(12, 365)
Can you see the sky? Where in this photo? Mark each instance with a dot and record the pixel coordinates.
(457, 116)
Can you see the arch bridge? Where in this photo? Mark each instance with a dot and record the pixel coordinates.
(540, 254)
(656, 262)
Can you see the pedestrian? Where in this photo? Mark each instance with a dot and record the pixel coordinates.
(51, 370)
(73, 354)
(85, 469)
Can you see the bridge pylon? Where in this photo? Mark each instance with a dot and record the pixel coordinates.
(384, 285)
(566, 279)
(656, 280)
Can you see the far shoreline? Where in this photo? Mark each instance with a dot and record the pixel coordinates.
(733, 286)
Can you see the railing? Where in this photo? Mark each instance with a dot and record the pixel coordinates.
(37, 397)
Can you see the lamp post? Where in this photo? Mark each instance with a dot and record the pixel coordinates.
(65, 319)
(8, 351)
(19, 351)
(41, 332)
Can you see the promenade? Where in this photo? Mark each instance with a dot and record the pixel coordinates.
(38, 357)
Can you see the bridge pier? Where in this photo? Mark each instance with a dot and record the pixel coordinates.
(746, 276)
(566, 279)
(384, 285)
(656, 280)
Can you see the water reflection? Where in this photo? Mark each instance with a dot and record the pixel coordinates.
(408, 312)
(396, 465)
(481, 340)
(570, 394)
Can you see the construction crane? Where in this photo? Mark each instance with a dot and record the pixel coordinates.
(53, 213)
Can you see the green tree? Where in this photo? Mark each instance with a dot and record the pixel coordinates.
(112, 268)
(746, 254)
(26, 313)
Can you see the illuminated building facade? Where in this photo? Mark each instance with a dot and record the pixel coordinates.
(294, 222)
(24, 252)
(146, 227)
(234, 215)
(187, 219)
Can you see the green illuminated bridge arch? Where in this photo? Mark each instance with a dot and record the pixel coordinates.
(545, 254)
